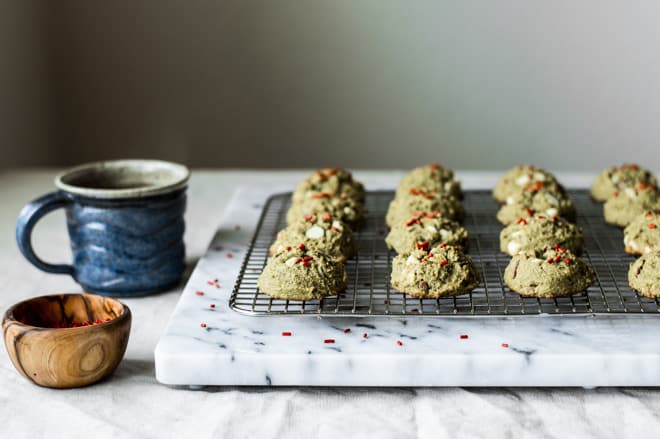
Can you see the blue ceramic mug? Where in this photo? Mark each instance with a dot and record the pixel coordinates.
(125, 223)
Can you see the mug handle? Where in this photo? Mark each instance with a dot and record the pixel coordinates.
(25, 223)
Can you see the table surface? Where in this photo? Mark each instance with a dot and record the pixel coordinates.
(132, 404)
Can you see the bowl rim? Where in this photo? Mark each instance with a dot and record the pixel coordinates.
(9, 319)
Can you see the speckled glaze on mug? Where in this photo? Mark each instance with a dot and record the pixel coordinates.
(125, 223)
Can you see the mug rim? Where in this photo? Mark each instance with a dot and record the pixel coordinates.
(179, 179)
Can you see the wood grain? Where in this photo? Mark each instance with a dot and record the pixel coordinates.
(66, 357)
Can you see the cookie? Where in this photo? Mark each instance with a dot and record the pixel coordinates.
(538, 232)
(335, 181)
(342, 208)
(552, 273)
(433, 273)
(302, 274)
(617, 179)
(320, 233)
(644, 275)
(422, 227)
(431, 177)
(419, 200)
(516, 179)
(537, 200)
(624, 206)
(642, 235)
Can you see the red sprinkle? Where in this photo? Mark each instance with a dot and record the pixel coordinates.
(210, 282)
(443, 263)
(464, 336)
(521, 221)
(550, 260)
(505, 345)
(423, 245)
(347, 330)
(568, 261)
(365, 335)
(301, 246)
(398, 342)
(212, 305)
(200, 293)
(203, 325)
(327, 217)
(557, 258)
(229, 255)
(652, 226)
(286, 334)
(329, 340)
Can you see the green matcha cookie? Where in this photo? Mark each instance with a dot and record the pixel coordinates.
(537, 200)
(551, 273)
(319, 233)
(538, 232)
(302, 274)
(431, 274)
(624, 206)
(335, 181)
(642, 235)
(515, 180)
(431, 177)
(404, 206)
(342, 208)
(644, 275)
(617, 179)
(431, 228)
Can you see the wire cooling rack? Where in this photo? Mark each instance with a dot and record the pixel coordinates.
(369, 292)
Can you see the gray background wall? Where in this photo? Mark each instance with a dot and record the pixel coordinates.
(473, 84)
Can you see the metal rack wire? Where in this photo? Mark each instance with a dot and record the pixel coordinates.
(369, 292)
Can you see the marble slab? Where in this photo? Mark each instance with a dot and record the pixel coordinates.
(206, 343)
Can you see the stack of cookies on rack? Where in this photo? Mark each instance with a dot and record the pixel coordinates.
(425, 230)
(540, 235)
(307, 258)
(632, 200)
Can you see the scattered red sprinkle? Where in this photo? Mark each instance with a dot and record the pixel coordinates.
(199, 293)
(329, 340)
(365, 335)
(652, 226)
(286, 334)
(203, 325)
(643, 186)
(347, 330)
(398, 342)
(210, 282)
(568, 261)
(464, 336)
(327, 216)
(301, 246)
(443, 245)
(505, 345)
(288, 247)
(443, 263)
(229, 255)
(529, 211)
(434, 166)
(423, 245)
(522, 221)
(212, 305)
(557, 258)
(550, 260)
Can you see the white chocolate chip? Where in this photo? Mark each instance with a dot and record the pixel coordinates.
(444, 234)
(291, 262)
(337, 225)
(509, 200)
(412, 260)
(348, 211)
(517, 234)
(552, 211)
(431, 228)
(315, 232)
(447, 186)
(537, 261)
(522, 180)
(631, 192)
(513, 247)
(539, 176)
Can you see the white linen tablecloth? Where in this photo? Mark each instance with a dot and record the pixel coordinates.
(132, 404)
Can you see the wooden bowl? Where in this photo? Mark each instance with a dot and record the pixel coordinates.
(48, 347)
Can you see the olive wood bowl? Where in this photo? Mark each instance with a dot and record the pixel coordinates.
(48, 348)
